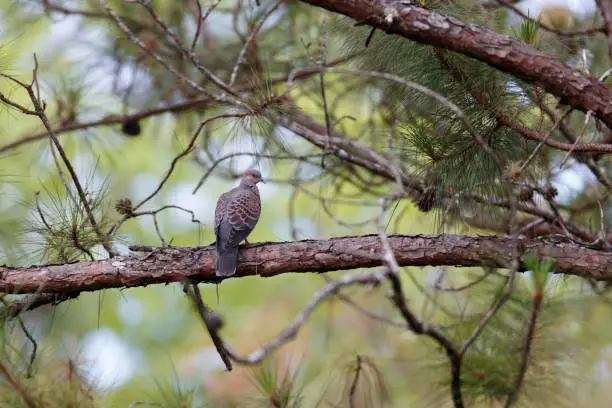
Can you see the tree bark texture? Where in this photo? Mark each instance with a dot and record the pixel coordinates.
(507, 54)
(176, 264)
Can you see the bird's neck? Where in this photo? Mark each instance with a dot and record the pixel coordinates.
(253, 187)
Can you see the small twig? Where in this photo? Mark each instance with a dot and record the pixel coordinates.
(154, 214)
(200, 21)
(15, 105)
(134, 39)
(211, 320)
(531, 326)
(191, 55)
(323, 62)
(353, 388)
(571, 137)
(366, 312)
(571, 149)
(210, 10)
(249, 40)
(20, 390)
(364, 278)
(159, 234)
(394, 78)
(29, 336)
(399, 300)
(213, 323)
(185, 152)
(586, 121)
(492, 310)
(77, 243)
(467, 285)
(543, 141)
(40, 212)
(16, 307)
(529, 226)
(217, 162)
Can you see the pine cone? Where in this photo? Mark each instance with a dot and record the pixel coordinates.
(124, 207)
(550, 192)
(131, 128)
(525, 193)
(427, 200)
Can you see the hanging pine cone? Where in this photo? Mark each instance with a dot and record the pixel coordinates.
(550, 192)
(124, 206)
(427, 200)
(525, 193)
(131, 128)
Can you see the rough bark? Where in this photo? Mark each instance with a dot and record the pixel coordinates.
(500, 51)
(176, 264)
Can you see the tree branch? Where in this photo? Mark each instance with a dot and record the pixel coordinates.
(178, 264)
(175, 108)
(500, 51)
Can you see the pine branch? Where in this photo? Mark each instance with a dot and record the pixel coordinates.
(175, 108)
(180, 264)
(352, 151)
(500, 51)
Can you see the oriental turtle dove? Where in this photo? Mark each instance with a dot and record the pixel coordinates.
(236, 215)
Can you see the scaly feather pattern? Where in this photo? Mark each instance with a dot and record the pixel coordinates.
(236, 215)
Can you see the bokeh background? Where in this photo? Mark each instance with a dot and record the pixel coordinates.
(147, 344)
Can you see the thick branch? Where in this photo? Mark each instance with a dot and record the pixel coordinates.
(164, 265)
(500, 51)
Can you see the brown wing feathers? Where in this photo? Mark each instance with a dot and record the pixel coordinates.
(236, 215)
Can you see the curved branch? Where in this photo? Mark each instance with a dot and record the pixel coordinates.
(178, 264)
(500, 51)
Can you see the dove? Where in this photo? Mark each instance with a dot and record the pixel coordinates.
(236, 215)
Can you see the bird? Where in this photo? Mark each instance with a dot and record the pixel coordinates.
(236, 215)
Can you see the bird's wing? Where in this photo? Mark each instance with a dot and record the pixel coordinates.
(221, 209)
(243, 214)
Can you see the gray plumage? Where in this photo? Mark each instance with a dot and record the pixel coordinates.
(236, 215)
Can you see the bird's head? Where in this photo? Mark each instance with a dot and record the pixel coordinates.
(252, 177)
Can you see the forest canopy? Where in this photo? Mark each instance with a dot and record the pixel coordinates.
(434, 222)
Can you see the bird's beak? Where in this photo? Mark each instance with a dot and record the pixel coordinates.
(262, 180)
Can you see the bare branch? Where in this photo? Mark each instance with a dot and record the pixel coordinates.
(413, 322)
(27, 399)
(531, 326)
(363, 278)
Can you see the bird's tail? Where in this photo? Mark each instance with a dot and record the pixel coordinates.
(227, 259)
